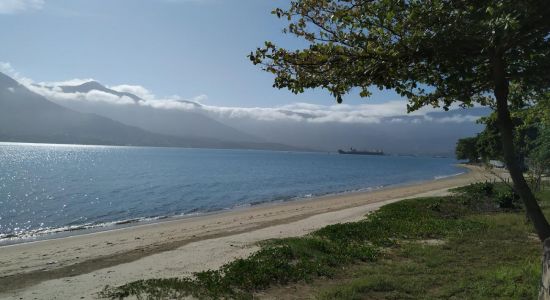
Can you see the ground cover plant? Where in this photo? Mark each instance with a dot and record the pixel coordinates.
(474, 244)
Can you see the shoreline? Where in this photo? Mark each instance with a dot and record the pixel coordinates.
(120, 255)
(91, 228)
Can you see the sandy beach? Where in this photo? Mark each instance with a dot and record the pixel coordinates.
(77, 267)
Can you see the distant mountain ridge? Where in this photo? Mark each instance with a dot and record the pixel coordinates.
(167, 123)
(186, 124)
(28, 117)
(94, 85)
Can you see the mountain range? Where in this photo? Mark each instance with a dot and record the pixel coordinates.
(91, 113)
(187, 124)
(26, 116)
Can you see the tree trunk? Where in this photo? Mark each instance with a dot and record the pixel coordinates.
(538, 177)
(544, 290)
(506, 128)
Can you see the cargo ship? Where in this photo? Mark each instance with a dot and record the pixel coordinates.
(361, 152)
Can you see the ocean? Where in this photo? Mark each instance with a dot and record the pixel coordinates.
(55, 190)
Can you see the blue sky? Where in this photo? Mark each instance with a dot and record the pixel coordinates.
(172, 47)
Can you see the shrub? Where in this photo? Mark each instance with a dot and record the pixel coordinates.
(488, 196)
(508, 199)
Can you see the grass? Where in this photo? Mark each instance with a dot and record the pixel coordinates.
(483, 248)
(500, 262)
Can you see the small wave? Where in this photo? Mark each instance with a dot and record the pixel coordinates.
(368, 189)
(43, 231)
(128, 221)
(7, 236)
(358, 190)
(240, 206)
(260, 202)
(447, 176)
(48, 231)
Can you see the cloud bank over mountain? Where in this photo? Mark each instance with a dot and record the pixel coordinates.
(297, 112)
(368, 113)
(312, 126)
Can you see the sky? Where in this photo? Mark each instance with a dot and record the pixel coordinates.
(195, 49)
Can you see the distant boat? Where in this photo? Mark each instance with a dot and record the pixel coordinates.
(361, 152)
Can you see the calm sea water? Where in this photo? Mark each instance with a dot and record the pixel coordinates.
(47, 189)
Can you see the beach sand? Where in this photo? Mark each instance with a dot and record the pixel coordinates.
(79, 266)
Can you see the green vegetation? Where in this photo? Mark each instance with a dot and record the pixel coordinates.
(539, 158)
(500, 262)
(470, 245)
(531, 140)
(531, 123)
(487, 145)
(466, 148)
(526, 131)
(434, 53)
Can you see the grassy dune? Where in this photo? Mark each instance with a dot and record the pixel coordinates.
(475, 244)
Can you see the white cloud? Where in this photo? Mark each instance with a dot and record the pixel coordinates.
(134, 89)
(391, 112)
(5, 67)
(17, 6)
(100, 96)
(76, 81)
(200, 98)
(56, 94)
(457, 119)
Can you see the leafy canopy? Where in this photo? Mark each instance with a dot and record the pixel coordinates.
(527, 130)
(466, 148)
(540, 155)
(432, 52)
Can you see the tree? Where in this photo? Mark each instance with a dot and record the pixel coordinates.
(436, 53)
(539, 156)
(489, 142)
(466, 148)
(539, 159)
